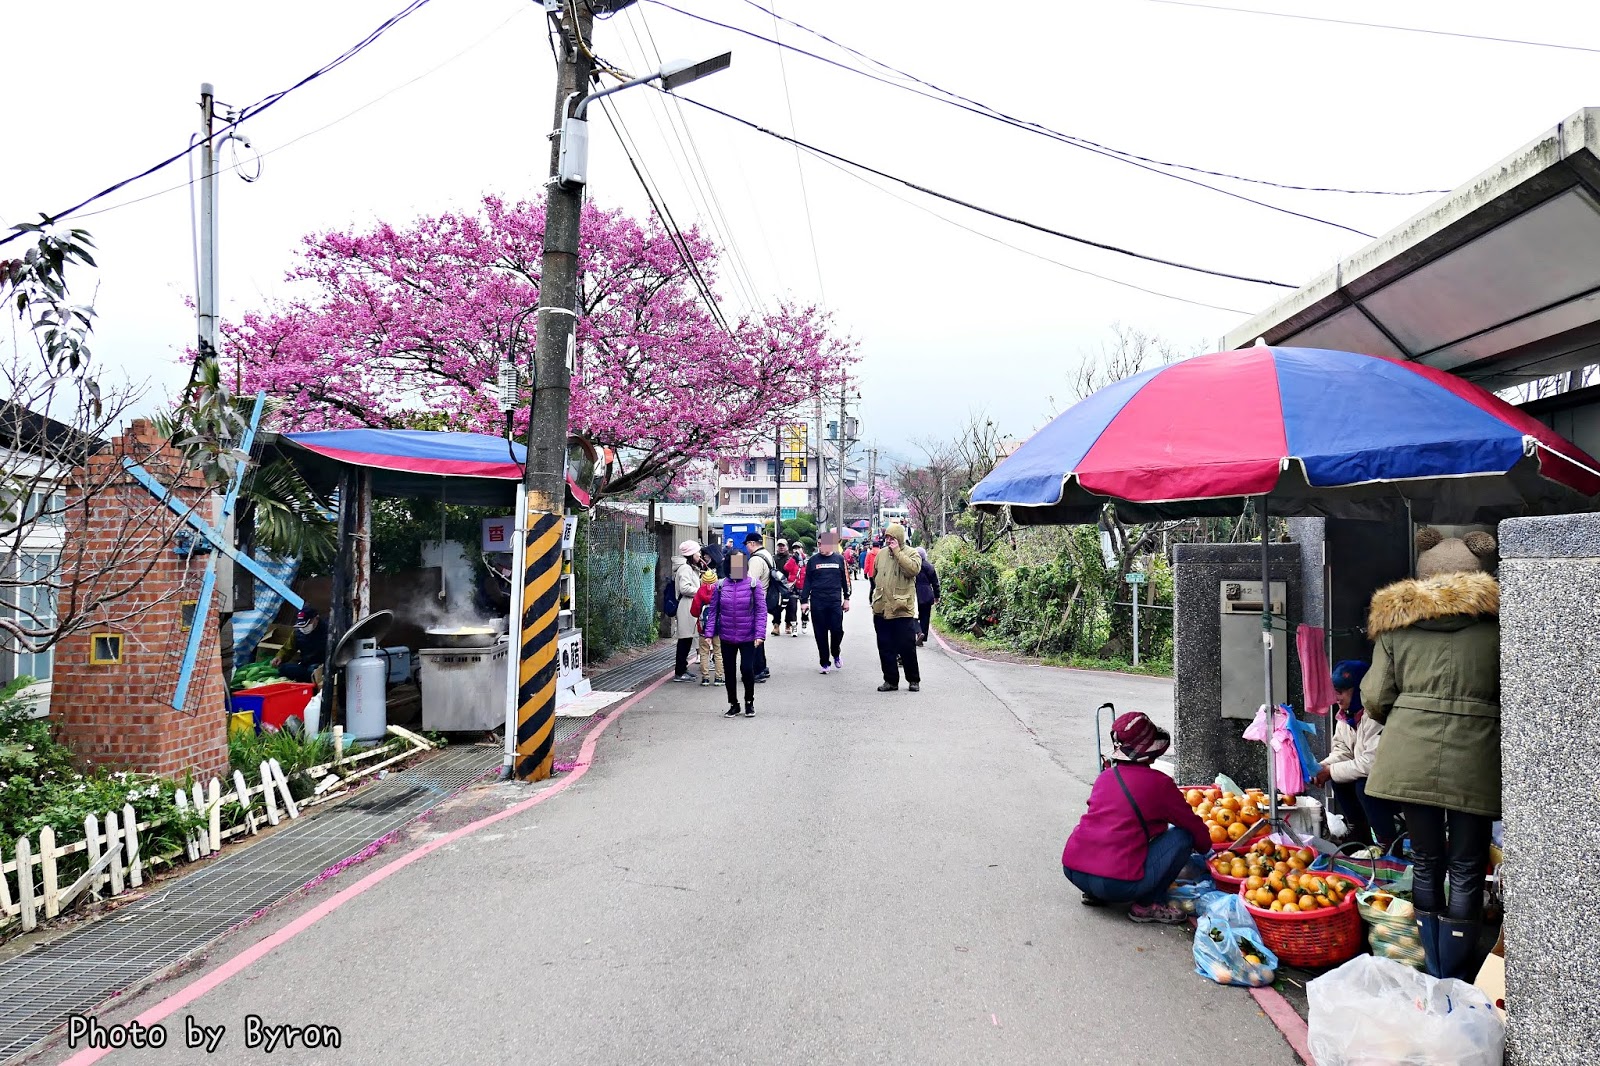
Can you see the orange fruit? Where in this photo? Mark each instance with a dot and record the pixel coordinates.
(1290, 908)
(1236, 830)
(1237, 871)
(1282, 868)
(1255, 882)
(1193, 797)
(1219, 835)
(1324, 901)
(1231, 802)
(1307, 903)
(1286, 896)
(1277, 906)
(1249, 814)
(1297, 863)
(1224, 817)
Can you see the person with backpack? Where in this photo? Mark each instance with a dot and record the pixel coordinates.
(927, 595)
(798, 578)
(780, 590)
(825, 589)
(736, 617)
(710, 650)
(760, 565)
(677, 599)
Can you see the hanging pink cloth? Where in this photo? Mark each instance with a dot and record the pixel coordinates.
(1286, 760)
(1315, 677)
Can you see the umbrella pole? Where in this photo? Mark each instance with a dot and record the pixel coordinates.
(1273, 818)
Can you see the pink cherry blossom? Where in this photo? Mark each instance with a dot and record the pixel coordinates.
(405, 327)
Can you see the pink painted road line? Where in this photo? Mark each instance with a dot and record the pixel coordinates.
(1289, 1023)
(205, 983)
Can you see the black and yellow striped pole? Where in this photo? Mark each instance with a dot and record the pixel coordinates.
(536, 687)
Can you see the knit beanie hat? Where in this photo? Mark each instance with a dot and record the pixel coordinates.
(1438, 554)
(708, 577)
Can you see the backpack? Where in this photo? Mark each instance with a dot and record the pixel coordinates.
(669, 597)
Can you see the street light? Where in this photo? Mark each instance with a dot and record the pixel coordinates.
(573, 166)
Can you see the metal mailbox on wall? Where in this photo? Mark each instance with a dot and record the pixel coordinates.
(1240, 628)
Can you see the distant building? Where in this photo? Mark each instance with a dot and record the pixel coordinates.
(750, 485)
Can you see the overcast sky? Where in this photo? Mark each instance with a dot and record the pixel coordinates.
(456, 102)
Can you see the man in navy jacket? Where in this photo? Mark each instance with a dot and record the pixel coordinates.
(827, 589)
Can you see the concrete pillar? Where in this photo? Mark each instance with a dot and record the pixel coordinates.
(1550, 752)
(1209, 744)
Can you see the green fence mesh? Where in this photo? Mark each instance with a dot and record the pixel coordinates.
(614, 564)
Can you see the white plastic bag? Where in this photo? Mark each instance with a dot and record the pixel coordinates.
(1376, 1012)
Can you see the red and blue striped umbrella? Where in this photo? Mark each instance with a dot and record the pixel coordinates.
(1317, 432)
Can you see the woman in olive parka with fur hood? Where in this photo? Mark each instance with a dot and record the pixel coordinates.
(1435, 684)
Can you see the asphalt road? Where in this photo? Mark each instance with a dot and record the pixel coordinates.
(849, 877)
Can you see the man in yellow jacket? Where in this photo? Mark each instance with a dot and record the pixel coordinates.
(894, 609)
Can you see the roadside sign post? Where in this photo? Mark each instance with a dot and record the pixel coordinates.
(1135, 579)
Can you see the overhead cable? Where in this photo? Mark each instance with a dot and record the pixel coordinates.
(1072, 137)
(947, 197)
(1030, 127)
(1386, 26)
(244, 113)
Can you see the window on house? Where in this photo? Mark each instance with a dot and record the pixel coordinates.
(772, 469)
(32, 602)
(755, 496)
(749, 468)
(48, 508)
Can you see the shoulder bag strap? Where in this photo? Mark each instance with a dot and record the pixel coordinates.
(1143, 825)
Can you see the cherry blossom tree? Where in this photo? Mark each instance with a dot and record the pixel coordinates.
(404, 327)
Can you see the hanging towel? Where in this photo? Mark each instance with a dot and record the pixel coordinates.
(1315, 676)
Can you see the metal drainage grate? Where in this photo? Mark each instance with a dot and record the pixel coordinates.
(633, 675)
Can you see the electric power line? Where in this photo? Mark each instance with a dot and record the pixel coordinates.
(312, 132)
(246, 112)
(805, 195)
(984, 111)
(949, 198)
(664, 216)
(1386, 26)
(1073, 137)
(1018, 248)
(698, 181)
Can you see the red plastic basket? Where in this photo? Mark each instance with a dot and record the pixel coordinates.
(272, 705)
(1226, 881)
(1320, 938)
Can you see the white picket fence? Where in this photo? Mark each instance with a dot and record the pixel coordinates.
(116, 862)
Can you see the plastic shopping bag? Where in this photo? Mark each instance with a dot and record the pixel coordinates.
(1192, 885)
(1378, 1012)
(1231, 955)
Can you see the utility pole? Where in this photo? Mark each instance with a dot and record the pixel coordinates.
(843, 441)
(544, 475)
(872, 487)
(206, 298)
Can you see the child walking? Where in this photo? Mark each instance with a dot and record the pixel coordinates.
(710, 650)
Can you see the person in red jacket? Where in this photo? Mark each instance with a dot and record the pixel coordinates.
(1138, 833)
(710, 650)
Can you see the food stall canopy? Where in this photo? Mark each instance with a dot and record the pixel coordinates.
(481, 470)
(1497, 283)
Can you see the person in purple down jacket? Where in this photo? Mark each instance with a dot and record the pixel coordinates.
(737, 616)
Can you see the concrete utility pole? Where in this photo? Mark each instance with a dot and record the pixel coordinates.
(206, 299)
(544, 476)
(843, 442)
(872, 487)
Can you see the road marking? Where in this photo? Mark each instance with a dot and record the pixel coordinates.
(205, 983)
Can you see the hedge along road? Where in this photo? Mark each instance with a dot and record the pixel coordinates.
(847, 877)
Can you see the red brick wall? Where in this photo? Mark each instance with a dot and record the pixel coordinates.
(121, 541)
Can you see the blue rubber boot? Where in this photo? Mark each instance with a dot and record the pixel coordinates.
(1428, 932)
(1457, 944)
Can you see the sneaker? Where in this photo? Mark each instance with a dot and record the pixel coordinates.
(732, 711)
(704, 681)
(915, 686)
(749, 709)
(761, 679)
(720, 681)
(1147, 913)
(824, 668)
(1091, 900)
(838, 663)
(793, 632)
(683, 677)
(888, 688)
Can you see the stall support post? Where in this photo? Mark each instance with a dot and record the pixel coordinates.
(514, 662)
(1136, 625)
(1266, 663)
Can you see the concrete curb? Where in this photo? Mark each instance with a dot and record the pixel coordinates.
(951, 649)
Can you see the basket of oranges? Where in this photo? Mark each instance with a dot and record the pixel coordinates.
(1238, 864)
(1227, 815)
(1307, 918)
